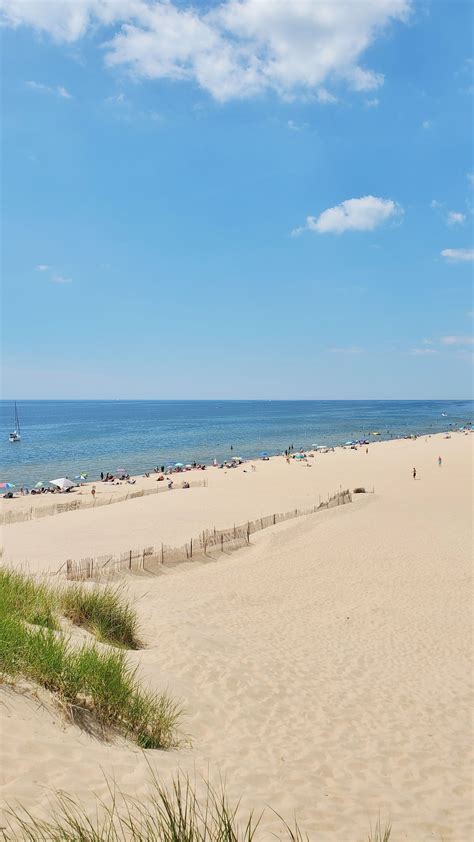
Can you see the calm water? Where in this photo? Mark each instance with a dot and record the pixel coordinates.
(62, 438)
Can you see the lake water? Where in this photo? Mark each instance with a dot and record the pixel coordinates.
(66, 438)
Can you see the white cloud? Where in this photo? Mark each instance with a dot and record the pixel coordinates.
(435, 204)
(41, 267)
(422, 352)
(457, 340)
(117, 99)
(362, 214)
(470, 178)
(458, 255)
(372, 103)
(56, 90)
(455, 218)
(352, 349)
(296, 127)
(60, 279)
(427, 124)
(236, 49)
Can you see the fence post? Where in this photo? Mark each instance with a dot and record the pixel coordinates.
(191, 547)
(162, 554)
(222, 543)
(130, 560)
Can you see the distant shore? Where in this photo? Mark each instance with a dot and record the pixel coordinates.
(231, 495)
(120, 487)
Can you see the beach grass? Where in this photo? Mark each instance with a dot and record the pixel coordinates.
(170, 814)
(102, 611)
(21, 596)
(86, 679)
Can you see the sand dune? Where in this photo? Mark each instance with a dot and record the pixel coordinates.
(325, 670)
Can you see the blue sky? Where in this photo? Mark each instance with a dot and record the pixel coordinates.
(253, 199)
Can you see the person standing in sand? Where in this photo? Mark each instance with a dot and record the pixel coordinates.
(440, 461)
(414, 473)
(93, 492)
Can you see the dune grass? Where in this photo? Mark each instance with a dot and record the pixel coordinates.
(175, 814)
(21, 596)
(89, 679)
(104, 612)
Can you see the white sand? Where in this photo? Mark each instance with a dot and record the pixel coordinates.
(325, 670)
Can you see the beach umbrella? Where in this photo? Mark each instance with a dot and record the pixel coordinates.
(63, 483)
(179, 465)
(300, 456)
(188, 466)
(40, 484)
(236, 459)
(7, 485)
(263, 453)
(81, 477)
(120, 471)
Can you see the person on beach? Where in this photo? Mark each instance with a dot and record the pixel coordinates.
(102, 475)
(440, 461)
(170, 484)
(414, 473)
(93, 492)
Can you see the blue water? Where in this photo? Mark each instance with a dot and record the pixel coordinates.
(65, 438)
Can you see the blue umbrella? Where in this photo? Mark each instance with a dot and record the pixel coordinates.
(264, 453)
(178, 465)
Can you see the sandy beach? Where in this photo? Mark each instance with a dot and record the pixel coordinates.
(325, 670)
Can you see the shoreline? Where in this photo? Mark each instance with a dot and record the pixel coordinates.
(232, 495)
(140, 482)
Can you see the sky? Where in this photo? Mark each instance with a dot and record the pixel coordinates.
(242, 199)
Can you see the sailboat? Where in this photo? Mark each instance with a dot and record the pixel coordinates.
(16, 434)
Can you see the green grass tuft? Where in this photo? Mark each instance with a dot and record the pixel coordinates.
(90, 679)
(102, 611)
(21, 596)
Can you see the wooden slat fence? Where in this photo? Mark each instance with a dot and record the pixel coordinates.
(73, 505)
(206, 545)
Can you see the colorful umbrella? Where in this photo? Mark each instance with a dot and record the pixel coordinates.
(7, 485)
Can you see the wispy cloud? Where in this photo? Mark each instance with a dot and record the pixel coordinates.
(435, 204)
(470, 178)
(427, 124)
(116, 99)
(457, 340)
(296, 127)
(458, 255)
(42, 267)
(456, 218)
(56, 90)
(422, 352)
(362, 214)
(351, 349)
(60, 279)
(372, 103)
(324, 96)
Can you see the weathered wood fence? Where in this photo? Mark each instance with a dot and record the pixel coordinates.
(206, 545)
(72, 505)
